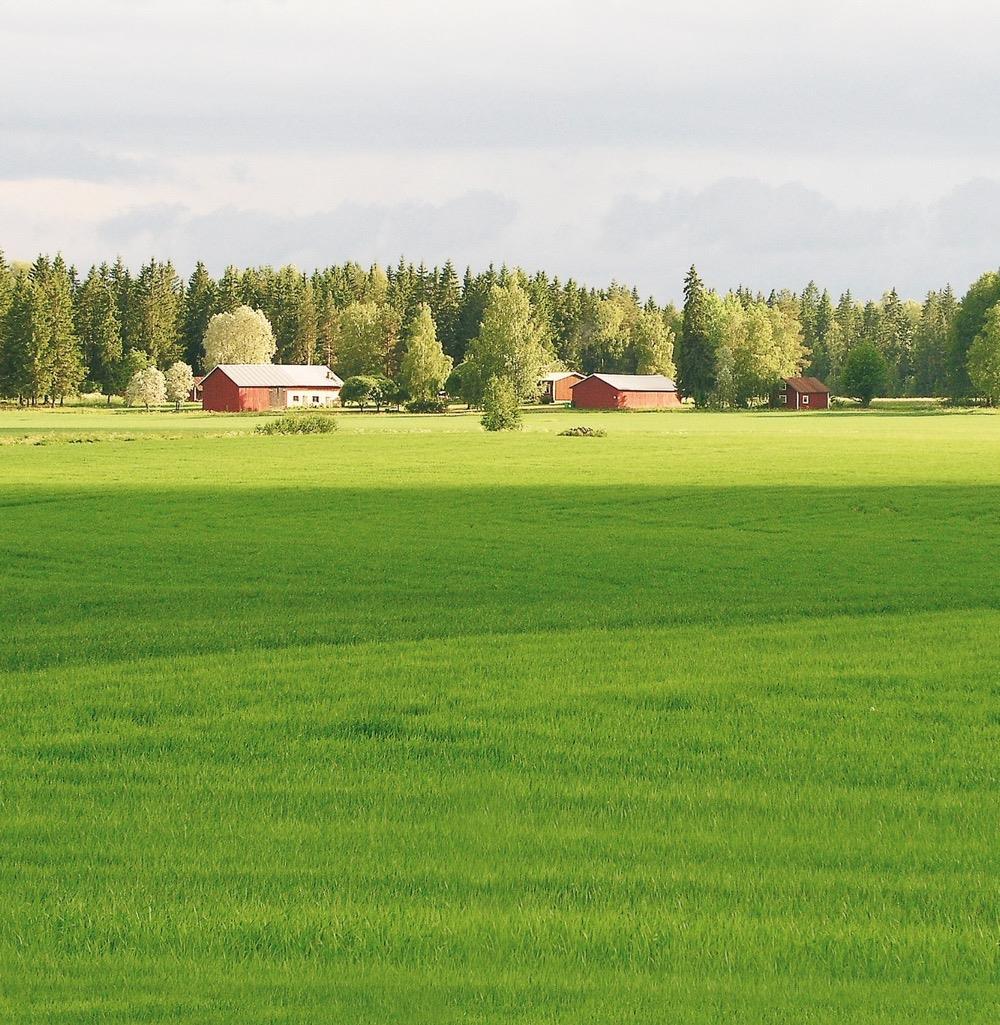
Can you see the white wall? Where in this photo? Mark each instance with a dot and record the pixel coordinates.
(297, 398)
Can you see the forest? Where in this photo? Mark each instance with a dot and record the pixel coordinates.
(63, 333)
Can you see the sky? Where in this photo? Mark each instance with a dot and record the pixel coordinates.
(768, 142)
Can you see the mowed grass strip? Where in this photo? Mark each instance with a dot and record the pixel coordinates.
(466, 729)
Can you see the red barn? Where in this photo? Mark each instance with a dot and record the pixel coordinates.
(559, 387)
(239, 387)
(802, 393)
(625, 391)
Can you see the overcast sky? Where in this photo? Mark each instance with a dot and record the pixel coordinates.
(767, 141)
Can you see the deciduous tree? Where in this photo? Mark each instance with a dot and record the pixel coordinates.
(147, 388)
(984, 358)
(243, 336)
(425, 367)
(178, 380)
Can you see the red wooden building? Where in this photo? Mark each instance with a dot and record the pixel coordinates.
(558, 387)
(802, 393)
(626, 391)
(238, 387)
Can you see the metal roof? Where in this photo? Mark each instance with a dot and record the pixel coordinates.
(807, 385)
(635, 382)
(557, 376)
(279, 375)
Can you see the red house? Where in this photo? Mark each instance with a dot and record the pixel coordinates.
(559, 387)
(802, 393)
(239, 387)
(625, 391)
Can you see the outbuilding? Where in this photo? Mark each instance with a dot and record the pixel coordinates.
(194, 395)
(558, 387)
(802, 393)
(242, 387)
(625, 391)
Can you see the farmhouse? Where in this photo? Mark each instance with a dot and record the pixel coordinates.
(194, 395)
(558, 387)
(236, 387)
(625, 391)
(802, 393)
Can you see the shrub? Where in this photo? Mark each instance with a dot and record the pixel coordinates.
(501, 410)
(426, 406)
(583, 432)
(299, 423)
(361, 391)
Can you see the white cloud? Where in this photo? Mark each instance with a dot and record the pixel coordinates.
(573, 130)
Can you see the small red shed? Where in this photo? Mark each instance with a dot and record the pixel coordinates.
(802, 393)
(626, 391)
(239, 387)
(558, 387)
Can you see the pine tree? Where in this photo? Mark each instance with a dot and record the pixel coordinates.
(696, 360)
(99, 330)
(159, 303)
(821, 361)
(198, 307)
(809, 315)
(445, 308)
(67, 366)
(124, 288)
(228, 296)
(327, 328)
(306, 327)
(7, 282)
(25, 371)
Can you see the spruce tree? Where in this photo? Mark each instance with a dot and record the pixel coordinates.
(696, 360)
(228, 295)
(198, 307)
(159, 303)
(67, 366)
(99, 331)
(445, 308)
(306, 327)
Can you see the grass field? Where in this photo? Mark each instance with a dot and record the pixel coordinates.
(694, 723)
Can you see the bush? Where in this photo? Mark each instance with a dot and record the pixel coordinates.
(299, 423)
(426, 406)
(501, 410)
(583, 432)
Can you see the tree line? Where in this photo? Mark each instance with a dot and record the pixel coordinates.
(410, 326)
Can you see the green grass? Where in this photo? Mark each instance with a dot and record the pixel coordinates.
(695, 723)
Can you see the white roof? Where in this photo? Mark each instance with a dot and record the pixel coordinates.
(279, 375)
(559, 376)
(636, 382)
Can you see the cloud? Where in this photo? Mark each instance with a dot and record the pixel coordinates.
(27, 158)
(746, 231)
(355, 231)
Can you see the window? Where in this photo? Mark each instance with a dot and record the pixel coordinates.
(315, 400)
(805, 400)
(783, 386)
(295, 398)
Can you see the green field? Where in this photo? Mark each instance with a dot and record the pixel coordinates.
(694, 723)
